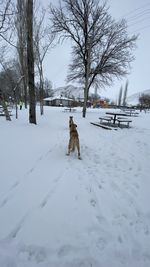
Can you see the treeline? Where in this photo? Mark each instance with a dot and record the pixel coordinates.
(144, 101)
(9, 77)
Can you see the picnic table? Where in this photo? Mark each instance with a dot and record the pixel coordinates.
(131, 112)
(115, 114)
(2, 113)
(70, 109)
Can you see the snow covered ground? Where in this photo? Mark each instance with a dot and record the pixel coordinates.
(58, 211)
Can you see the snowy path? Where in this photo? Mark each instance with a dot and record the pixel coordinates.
(58, 211)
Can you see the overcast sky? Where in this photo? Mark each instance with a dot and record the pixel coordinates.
(137, 13)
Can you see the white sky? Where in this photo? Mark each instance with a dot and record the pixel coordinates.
(137, 14)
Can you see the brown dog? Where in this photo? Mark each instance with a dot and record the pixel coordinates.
(74, 140)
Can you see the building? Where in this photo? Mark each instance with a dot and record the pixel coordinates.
(58, 101)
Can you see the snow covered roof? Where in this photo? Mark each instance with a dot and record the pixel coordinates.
(57, 97)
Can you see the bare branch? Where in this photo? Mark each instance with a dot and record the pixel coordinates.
(7, 13)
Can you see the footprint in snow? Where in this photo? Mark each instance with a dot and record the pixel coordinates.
(136, 185)
(120, 239)
(17, 228)
(101, 243)
(100, 186)
(14, 185)
(93, 202)
(64, 250)
(50, 193)
(101, 219)
(46, 199)
(146, 230)
(31, 170)
(4, 201)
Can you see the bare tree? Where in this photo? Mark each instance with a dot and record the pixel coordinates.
(30, 63)
(6, 82)
(10, 80)
(101, 46)
(42, 42)
(47, 89)
(22, 44)
(144, 101)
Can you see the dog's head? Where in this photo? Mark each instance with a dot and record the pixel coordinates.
(70, 121)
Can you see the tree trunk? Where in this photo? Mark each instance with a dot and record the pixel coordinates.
(16, 106)
(25, 91)
(24, 74)
(85, 102)
(23, 67)
(22, 40)
(41, 90)
(30, 63)
(86, 88)
(41, 101)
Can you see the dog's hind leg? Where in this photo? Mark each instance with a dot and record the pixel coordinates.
(69, 147)
(78, 148)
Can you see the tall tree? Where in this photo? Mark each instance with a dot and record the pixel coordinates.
(22, 45)
(101, 47)
(120, 97)
(30, 63)
(125, 93)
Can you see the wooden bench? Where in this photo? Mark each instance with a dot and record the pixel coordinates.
(106, 118)
(104, 126)
(2, 113)
(120, 120)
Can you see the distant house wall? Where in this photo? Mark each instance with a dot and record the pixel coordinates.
(57, 102)
(47, 103)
